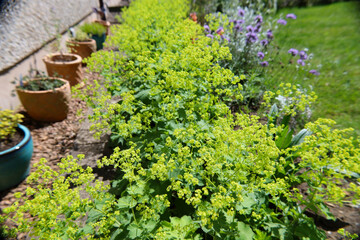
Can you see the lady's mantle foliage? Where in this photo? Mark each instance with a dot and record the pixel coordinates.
(185, 173)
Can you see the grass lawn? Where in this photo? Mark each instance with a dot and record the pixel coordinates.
(332, 34)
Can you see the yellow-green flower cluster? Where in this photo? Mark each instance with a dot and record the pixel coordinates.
(8, 123)
(56, 204)
(296, 100)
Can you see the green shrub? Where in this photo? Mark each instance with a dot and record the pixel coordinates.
(93, 28)
(198, 159)
(81, 36)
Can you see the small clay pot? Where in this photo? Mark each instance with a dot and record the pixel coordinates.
(65, 65)
(47, 105)
(84, 48)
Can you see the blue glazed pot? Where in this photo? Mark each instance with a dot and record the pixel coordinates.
(99, 41)
(15, 162)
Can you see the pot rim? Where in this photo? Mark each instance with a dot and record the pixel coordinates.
(88, 41)
(105, 23)
(44, 91)
(25, 140)
(47, 58)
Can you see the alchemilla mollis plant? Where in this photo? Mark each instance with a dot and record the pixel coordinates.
(189, 168)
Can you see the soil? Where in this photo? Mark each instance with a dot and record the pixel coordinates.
(42, 84)
(11, 142)
(63, 58)
(347, 217)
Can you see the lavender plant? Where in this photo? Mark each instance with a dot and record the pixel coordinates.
(252, 43)
(248, 39)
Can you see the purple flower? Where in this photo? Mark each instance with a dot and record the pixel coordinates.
(301, 62)
(303, 55)
(282, 21)
(291, 15)
(250, 28)
(207, 28)
(210, 36)
(261, 55)
(313, 71)
(220, 31)
(269, 34)
(251, 37)
(264, 64)
(257, 28)
(226, 38)
(241, 12)
(241, 21)
(293, 51)
(264, 42)
(238, 27)
(258, 19)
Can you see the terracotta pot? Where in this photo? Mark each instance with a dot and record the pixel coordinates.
(105, 24)
(15, 161)
(48, 105)
(66, 66)
(84, 49)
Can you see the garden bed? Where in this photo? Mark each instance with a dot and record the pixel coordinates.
(54, 141)
(187, 166)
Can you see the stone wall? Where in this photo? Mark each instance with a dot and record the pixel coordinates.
(28, 24)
